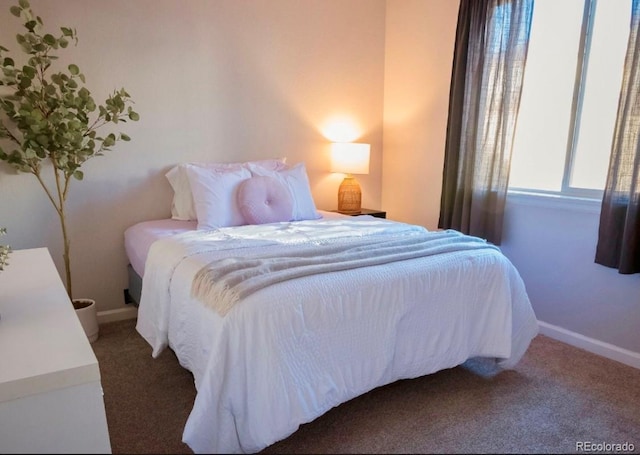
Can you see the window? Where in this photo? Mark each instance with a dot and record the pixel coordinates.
(570, 96)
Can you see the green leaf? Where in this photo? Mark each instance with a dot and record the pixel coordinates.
(73, 69)
(49, 39)
(31, 25)
(66, 31)
(63, 42)
(134, 116)
(42, 139)
(124, 137)
(108, 141)
(29, 71)
(23, 3)
(78, 175)
(16, 11)
(8, 62)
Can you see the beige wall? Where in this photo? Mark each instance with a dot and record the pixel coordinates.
(219, 80)
(420, 36)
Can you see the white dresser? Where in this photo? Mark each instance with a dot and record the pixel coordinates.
(50, 393)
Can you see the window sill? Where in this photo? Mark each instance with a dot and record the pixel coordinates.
(554, 201)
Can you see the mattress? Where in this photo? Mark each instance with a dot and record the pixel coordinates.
(139, 237)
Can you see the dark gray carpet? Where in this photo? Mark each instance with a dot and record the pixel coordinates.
(556, 397)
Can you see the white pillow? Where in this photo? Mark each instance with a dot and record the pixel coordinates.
(214, 195)
(182, 207)
(296, 180)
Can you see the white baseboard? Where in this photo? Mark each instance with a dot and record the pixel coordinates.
(592, 345)
(117, 315)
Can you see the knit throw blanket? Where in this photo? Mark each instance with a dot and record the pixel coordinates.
(224, 282)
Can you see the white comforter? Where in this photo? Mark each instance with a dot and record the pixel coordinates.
(291, 351)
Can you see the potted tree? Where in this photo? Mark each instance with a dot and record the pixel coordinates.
(51, 121)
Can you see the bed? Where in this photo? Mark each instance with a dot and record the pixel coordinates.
(281, 321)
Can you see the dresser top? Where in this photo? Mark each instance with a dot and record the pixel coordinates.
(43, 346)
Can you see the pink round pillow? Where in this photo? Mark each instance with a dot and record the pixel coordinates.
(263, 199)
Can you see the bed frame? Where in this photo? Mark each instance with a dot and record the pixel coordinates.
(133, 293)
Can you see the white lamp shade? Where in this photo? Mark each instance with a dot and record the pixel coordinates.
(350, 157)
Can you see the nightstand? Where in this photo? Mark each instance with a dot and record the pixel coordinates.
(375, 213)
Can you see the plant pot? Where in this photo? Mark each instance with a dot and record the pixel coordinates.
(88, 315)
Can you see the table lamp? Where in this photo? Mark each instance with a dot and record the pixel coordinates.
(350, 158)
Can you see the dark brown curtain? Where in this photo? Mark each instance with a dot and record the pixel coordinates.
(619, 232)
(491, 46)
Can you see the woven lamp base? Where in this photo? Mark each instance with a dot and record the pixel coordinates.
(349, 196)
